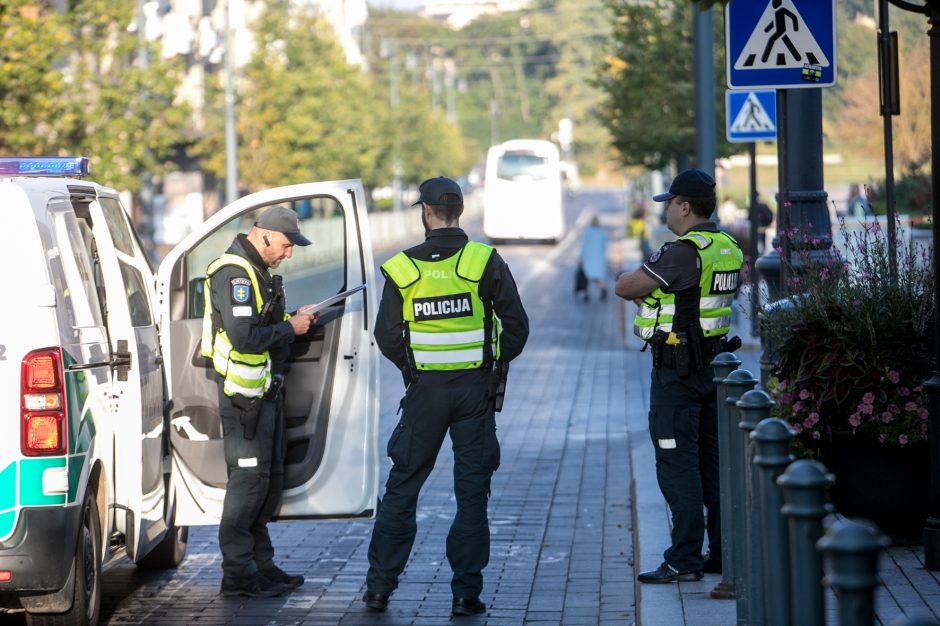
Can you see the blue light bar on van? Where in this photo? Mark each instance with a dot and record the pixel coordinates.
(44, 166)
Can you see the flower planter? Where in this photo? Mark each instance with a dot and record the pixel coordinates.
(885, 484)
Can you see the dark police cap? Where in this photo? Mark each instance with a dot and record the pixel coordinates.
(692, 183)
(280, 219)
(435, 190)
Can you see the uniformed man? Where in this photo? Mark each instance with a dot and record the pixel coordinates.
(450, 319)
(685, 293)
(246, 333)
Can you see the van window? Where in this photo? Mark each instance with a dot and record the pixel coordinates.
(313, 273)
(73, 260)
(136, 294)
(117, 225)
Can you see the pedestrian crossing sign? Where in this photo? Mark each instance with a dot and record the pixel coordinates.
(751, 115)
(780, 44)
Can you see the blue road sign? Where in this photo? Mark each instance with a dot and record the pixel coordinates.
(780, 44)
(751, 115)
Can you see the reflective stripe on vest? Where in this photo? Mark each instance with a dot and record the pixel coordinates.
(246, 374)
(442, 309)
(721, 260)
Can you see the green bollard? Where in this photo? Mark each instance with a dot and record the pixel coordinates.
(804, 485)
(771, 440)
(738, 383)
(724, 364)
(852, 549)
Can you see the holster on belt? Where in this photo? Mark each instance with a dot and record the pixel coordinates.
(250, 412)
(657, 344)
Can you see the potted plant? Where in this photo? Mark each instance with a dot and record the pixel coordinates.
(852, 348)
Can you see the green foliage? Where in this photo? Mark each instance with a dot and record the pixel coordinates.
(73, 84)
(648, 80)
(855, 345)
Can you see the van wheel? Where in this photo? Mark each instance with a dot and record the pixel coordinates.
(86, 601)
(169, 552)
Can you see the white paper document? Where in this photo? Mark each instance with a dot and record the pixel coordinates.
(310, 309)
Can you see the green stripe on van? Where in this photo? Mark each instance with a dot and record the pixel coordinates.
(31, 482)
(7, 499)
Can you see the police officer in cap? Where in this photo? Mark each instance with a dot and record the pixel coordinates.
(247, 335)
(685, 292)
(451, 320)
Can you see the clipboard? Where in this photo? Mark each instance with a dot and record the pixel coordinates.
(310, 309)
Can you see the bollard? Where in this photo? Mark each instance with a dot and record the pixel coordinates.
(852, 549)
(771, 440)
(737, 383)
(749, 542)
(724, 364)
(804, 485)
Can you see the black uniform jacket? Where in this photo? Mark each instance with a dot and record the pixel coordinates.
(497, 284)
(237, 312)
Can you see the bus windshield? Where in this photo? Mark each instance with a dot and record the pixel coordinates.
(516, 165)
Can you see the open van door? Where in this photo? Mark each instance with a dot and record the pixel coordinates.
(136, 398)
(331, 403)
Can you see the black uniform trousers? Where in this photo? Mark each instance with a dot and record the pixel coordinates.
(684, 429)
(255, 481)
(429, 411)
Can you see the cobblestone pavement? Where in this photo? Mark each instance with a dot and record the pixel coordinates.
(560, 508)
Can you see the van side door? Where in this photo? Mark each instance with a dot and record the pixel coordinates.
(137, 398)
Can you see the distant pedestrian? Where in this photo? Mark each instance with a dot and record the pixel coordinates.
(685, 292)
(637, 229)
(858, 205)
(594, 258)
(451, 320)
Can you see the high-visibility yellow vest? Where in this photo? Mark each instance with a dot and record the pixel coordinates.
(245, 374)
(445, 317)
(721, 259)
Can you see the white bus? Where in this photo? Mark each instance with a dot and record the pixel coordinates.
(522, 191)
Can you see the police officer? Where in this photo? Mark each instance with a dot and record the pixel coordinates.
(247, 334)
(685, 292)
(450, 319)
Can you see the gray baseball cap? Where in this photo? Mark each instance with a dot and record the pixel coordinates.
(280, 219)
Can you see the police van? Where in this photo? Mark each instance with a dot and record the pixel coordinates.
(113, 444)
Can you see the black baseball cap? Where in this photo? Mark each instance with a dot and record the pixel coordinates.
(280, 219)
(433, 191)
(692, 183)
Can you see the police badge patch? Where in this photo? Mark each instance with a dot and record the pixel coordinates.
(240, 290)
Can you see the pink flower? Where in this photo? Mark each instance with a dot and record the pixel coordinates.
(808, 423)
(868, 398)
(799, 407)
(786, 398)
(887, 417)
(923, 413)
(910, 406)
(783, 385)
(867, 409)
(855, 419)
(904, 392)
(804, 394)
(902, 439)
(894, 377)
(798, 428)
(813, 417)
(894, 408)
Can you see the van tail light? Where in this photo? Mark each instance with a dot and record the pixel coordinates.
(43, 413)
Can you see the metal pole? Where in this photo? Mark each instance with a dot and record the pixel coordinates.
(932, 527)
(753, 251)
(852, 549)
(753, 611)
(887, 80)
(705, 130)
(804, 485)
(737, 383)
(724, 364)
(231, 141)
(771, 440)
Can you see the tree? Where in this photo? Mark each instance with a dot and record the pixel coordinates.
(648, 80)
(73, 84)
